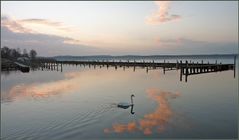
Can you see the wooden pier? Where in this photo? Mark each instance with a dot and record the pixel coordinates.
(186, 68)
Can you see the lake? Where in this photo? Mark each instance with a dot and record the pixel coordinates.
(81, 103)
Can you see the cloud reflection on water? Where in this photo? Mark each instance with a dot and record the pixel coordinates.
(72, 81)
(156, 120)
(39, 90)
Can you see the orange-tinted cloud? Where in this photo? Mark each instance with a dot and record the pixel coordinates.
(157, 120)
(43, 26)
(14, 26)
(162, 14)
(28, 26)
(45, 23)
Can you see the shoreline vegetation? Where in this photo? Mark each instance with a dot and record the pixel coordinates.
(15, 59)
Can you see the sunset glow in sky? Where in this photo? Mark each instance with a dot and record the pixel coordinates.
(120, 27)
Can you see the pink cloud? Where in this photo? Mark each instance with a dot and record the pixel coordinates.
(14, 25)
(162, 15)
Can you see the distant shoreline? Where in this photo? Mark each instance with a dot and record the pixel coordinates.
(142, 56)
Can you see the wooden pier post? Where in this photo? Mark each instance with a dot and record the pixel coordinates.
(201, 68)
(164, 66)
(177, 65)
(220, 67)
(147, 69)
(42, 65)
(61, 66)
(181, 70)
(57, 66)
(51, 65)
(186, 73)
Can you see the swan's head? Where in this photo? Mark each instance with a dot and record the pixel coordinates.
(132, 95)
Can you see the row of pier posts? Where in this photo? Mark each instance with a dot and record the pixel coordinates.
(186, 69)
(197, 69)
(52, 66)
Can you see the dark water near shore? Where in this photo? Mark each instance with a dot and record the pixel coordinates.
(81, 103)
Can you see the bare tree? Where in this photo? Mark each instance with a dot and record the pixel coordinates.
(5, 52)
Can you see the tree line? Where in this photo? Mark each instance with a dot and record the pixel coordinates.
(16, 53)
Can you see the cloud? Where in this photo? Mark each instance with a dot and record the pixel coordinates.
(45, 23)
(35, 25)
(14, 35)
(156, 120)
(13, 25)
(41, 21)
(162, 15)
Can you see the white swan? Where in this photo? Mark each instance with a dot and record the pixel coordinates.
(126, 105)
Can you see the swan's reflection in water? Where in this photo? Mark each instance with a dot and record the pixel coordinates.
(157, 120)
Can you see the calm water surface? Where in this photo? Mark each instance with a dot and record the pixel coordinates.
(81, 103)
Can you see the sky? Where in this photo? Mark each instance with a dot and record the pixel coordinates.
(120, 27)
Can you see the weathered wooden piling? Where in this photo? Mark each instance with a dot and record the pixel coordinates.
(181, 70)
(186, 76)
(177, 65)
(164, 66)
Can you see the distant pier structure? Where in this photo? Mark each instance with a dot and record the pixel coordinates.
(187, 68)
